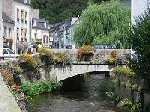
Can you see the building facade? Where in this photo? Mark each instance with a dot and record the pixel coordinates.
(68, 33)
(138, 8)
(8, 32)
(21, 12)
(1, 31)
(40, 32)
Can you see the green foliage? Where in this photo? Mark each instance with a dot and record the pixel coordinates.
(106, 86)
(59, 10)
(106, 23)
(111, 95)
(32, 89)
(140, 41)
(124, 71)
(129, 105)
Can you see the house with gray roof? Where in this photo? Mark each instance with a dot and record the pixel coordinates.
(62, 34)
(40, 33)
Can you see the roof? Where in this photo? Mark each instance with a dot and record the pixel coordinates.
(7, 18)
(40, 24)
(23, 2)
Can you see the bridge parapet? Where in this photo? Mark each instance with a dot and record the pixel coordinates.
(102, 53)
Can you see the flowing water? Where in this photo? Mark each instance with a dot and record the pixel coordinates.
(83, 96)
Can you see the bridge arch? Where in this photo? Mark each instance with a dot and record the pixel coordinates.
(67, 72)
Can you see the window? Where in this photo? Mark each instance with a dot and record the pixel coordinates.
(17, 14)
(9, 32)
(47, 39)
(10, 52)
(5, 32)
(35, 35)
(44, 38)
(26, 17)
(22, 15)
(25, 32)
(29, 1)
(25, 1)
(17, 32)
(21, 32)
(4, 51)
(34, 22)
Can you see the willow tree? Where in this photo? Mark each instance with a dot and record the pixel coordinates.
(107, 23)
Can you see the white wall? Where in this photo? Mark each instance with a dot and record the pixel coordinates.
(138, 7)
(11, 26)
(20, 24)
(35, 13)
(40, 34)
(1, 31)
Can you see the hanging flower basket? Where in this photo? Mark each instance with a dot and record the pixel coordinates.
(85, 53)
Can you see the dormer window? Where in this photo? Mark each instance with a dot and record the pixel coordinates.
(34, 22)
(25, 1)
(29, 1)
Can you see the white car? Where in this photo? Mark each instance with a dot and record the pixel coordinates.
(7, 53)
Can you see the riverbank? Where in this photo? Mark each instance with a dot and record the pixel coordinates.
(7, 101)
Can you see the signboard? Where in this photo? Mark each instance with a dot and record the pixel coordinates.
(105, 46)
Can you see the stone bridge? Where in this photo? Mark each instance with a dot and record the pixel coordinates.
(82, 68)
(77, 69)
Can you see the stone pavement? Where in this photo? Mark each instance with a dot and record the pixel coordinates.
(7, 101)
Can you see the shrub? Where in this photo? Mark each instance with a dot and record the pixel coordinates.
(27, 63)
(32, 89)
(8, 77)
(63, 58)
(129, 105)
(124, 71)
(46, 56)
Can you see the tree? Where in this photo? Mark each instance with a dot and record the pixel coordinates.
(140, 41)
(104, 24)
(59, 10)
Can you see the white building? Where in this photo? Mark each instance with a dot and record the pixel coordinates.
(8, 31)
(1, 31)
(21, 12)
(138, 8)
(40, 32)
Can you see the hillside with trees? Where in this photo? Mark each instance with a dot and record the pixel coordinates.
(59, 10)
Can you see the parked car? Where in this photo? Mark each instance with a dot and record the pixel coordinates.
(7, 54)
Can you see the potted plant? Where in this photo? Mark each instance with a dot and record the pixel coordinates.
(46, 56)
(85, 53)
(63, 59)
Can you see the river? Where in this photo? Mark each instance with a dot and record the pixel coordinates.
(83, 96)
